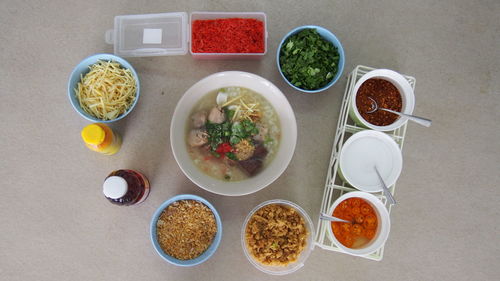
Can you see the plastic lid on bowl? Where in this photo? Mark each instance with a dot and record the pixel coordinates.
(365, 150)
(149, 35)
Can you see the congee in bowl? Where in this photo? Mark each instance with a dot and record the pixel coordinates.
(232, 133)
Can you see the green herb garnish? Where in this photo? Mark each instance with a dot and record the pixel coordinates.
(234, 140)
(231, 156)
(244, 129)
(214, 132)
(229, 114)
(309, 61)
(229, 132)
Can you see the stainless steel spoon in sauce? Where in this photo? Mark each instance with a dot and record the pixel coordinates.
(326, 217)
(419, 120)
(386, 190)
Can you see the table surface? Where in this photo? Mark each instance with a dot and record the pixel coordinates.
(56, 225)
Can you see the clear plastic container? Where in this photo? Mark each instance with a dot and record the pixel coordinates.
(149, 35)
(224, 15)
(169, 34)
(281, 270)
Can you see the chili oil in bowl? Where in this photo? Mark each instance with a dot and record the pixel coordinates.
(186, 230)
(388, 89)
(370, 225)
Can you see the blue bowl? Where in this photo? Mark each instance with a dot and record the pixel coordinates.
(327, 35)
(83, 68)
(203, 257)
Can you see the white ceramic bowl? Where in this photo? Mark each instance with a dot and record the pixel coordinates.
(404, 88)
(361, 152)
(383, 228)
(234, 79)
(281, 270)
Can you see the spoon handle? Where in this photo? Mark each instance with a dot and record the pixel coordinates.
(386, 190)
(330, 218)
(420, 120)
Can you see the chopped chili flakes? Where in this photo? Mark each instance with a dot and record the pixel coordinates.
(232, 35)
(385, 94)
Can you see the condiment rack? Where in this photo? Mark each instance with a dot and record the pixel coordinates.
(334, 186)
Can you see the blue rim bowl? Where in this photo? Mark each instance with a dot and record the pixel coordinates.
(327, 35)
(83, 68)
(203, 257)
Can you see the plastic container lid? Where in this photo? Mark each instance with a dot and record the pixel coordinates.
(149, 35)
(93, 134)
(362, 151)
(115, 187)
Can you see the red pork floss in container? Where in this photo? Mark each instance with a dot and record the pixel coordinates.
(230, 35)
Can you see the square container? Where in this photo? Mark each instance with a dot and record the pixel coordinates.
(169, 34)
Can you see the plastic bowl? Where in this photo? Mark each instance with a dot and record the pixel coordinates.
(83, 68)
(234, 79)
(203, 257)
(281, 270)
(361, 152)
(327, 35)
(404, 88)
(383, 229)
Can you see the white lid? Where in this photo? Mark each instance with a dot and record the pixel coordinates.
(362, 151)
(149, 35)
(115, 187)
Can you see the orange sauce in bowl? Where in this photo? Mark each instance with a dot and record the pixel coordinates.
(364, 223)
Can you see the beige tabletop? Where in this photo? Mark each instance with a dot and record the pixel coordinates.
(55, 223)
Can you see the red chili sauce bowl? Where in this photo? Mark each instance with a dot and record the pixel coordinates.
(390, 90)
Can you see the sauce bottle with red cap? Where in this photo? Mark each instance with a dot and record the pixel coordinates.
(126, 187)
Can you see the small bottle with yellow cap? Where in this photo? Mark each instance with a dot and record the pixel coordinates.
(99, 137)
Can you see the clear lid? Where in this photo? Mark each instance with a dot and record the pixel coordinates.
(149, 35)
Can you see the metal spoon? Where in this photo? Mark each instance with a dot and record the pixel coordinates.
(384, 187)
(326, 217)
(420, 120)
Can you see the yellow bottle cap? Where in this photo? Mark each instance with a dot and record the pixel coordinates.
(93, 134)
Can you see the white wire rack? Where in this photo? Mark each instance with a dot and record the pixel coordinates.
(334, 186)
